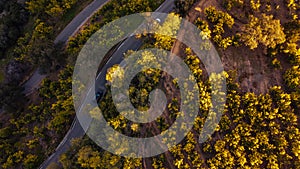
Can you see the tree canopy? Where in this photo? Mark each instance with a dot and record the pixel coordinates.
(263, 30)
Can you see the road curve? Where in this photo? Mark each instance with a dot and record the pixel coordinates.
(63, 37)
(76, 130)
(79, 21)
(36, 79)
(33, 83)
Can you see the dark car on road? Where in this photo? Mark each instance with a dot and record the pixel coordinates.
(99, 95)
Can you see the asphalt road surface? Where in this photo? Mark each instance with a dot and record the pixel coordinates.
(33, 82)
(63, 37)
(79, 20)
(76, 130)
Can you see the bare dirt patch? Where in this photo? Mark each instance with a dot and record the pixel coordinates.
(254, 70)
(253, 67)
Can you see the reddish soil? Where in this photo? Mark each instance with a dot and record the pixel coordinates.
(253, 67)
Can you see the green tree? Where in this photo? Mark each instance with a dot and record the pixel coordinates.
(169, 27)
(53, 165)
(31, 161)
(219, 19)
(229, 4)
(5, 132)
(36, 6)
(292, 77)
(265, 30)
(53, 8)
(182, 7)
(88, 158)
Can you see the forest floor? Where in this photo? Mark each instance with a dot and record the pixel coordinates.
(253, 68)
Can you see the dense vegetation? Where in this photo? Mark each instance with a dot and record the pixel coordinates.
(23, 139)
(112, 10)
(256, 130)
(26, 35)
(31, 131)
(13, 17)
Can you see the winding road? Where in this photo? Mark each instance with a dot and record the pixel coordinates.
(36, 78)
(131, 43)
(79, 20)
